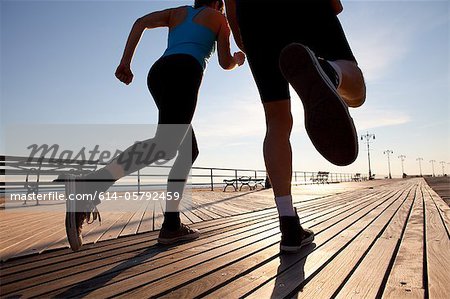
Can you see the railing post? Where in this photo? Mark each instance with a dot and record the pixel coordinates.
(304, 176)
(236, 177)
(295, 176)
(256, 175)
(212, 180)
(139, 181)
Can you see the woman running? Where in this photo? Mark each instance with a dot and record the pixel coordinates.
(174, 81)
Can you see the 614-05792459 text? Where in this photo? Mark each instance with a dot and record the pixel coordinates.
(103, 196)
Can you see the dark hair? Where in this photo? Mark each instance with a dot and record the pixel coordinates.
(200, 3)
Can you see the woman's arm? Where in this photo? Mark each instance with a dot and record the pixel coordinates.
(227, 61)
(152, 20)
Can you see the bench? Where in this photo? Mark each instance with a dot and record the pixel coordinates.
(243, 181)
(229, 183)
(320, 178)
(35, 168)
(357, 177)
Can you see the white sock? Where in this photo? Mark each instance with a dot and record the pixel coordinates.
(284, 205)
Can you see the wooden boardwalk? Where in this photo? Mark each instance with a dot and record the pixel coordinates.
(34, 229)
(389, 239)
(441, 185)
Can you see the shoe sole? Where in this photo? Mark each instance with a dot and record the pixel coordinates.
(75, 240)
(327, 120)
(303, 243)
(167, 241)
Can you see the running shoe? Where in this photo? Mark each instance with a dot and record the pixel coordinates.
(77, 211)
(327, 120)
(183, 233)
(293, 236)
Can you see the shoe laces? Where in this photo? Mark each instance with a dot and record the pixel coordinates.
(94, 214)
(185, 227)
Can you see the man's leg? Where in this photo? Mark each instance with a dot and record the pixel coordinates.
(327, 120)
(277, 147)
(352, 87)
(278, 158)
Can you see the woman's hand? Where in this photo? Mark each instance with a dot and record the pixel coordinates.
(124, 74)
(239, 58)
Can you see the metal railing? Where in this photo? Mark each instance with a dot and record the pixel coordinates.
(211, 178)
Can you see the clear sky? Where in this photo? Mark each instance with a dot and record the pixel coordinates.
(58, 60)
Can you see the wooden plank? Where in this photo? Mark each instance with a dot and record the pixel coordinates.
(358, 238)
(26, 241)
(344, 208)
(259, 256)
(368, 277)
(443, 208)
(400, 292)
(84, 273)
(61, 255)
(13, 224)
(41, 244)
(197, 287)
(133, 224)
(15, 232)
(96, 230)
(407, 270)
(398, 223)
(437, 250)
(326, 239)
(199, 213)
(116, 229)
(147, 219)
(158, 215)
(128, 273)
(110, 256)
(375, 264)
(187, 211)
(88, 232)
(324, 231)
(218, 210)
(441, 185)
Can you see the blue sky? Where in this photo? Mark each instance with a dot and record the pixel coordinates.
(58, 60)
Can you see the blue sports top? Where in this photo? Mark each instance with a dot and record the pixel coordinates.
(191, 38)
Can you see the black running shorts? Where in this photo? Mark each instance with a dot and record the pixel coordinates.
(268, 26)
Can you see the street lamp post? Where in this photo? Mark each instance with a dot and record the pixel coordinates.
(443, 167)
(388, 153)
(432, 166)
(368, 137)
(402, 158)
(420, 165)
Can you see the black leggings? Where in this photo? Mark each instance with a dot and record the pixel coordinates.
(174, 82)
